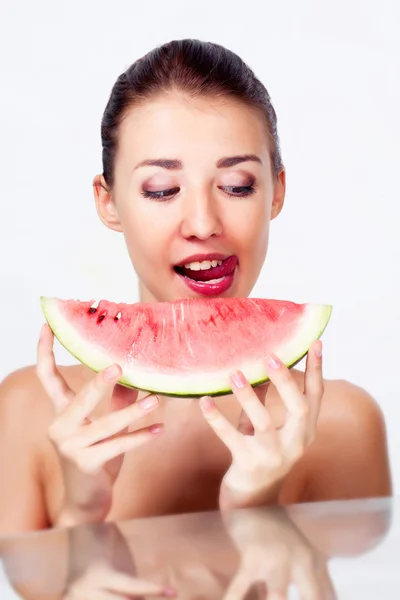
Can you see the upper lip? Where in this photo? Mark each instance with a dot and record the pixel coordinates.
(201, 257)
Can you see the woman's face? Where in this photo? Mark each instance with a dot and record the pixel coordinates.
(193, 194)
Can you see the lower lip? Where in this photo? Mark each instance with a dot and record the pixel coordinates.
(209, 289)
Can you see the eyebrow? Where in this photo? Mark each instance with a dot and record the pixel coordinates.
(222, 163)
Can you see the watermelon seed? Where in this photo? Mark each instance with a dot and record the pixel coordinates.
(117, 317)
(94, 307)
(101, 317)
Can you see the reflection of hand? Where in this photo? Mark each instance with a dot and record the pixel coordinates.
(101, 567)
(101, 582)
(274, 553)
(261, 461)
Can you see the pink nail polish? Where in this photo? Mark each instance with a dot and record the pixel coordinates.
(149, 402)
(238, 379)
(318, 349)
(156, 429)
(207, 403)
(274, 362)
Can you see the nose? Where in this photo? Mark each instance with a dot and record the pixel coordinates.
(200, 217)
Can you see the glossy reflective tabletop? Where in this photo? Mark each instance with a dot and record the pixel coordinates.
(347, 550)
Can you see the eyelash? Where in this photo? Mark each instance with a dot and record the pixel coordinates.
(246, 190)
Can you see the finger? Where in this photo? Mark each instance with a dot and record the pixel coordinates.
(129, 585)
(285, 384)
(107, 580)
(257, 413)
(238, 586)
(98, 388)
(313, 380)
(277, 578)
(328, 591)
(297, 420)
(226, 432)
(53, 383)
(94, 457)
(112, 423)
(84, 593)
(307, 585)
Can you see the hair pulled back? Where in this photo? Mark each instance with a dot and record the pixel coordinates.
(191, 66)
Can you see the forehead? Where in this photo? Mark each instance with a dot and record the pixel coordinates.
(178, 126)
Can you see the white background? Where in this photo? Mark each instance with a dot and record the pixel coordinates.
(333, 73)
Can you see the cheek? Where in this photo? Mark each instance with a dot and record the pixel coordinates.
(250, 227)
(146, 234)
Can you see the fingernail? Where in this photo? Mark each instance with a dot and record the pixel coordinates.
(207, 403)
(318, 349)
(156, 429)
(149, 402)
(111, 373)
(238, 379)
(273, 362)
(169, 592)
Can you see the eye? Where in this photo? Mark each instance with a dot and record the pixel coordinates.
(238, 191)
(160, 194)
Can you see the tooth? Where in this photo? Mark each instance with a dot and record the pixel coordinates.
(203, 265)
(214, 280)
(206, 264)
(195, 266)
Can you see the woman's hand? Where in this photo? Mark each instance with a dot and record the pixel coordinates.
(275, 554)
(261, 461)
(91, 452)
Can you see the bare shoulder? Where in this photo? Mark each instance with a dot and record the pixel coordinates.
(351, 405)
(349, 457)
(23, 399)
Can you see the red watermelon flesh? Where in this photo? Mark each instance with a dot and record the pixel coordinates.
(188, 347)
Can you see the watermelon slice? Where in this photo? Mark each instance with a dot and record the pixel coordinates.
(186, 347)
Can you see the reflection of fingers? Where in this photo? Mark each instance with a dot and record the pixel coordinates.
(86, 400)
(238, 586)
(54, 385)
(307, 584)
(124, 584)
(249, 401)
(227, 433)
(94, 457)
(86, 593)
(115, 422)
(278, 578)
(328, 591)
(105, 584)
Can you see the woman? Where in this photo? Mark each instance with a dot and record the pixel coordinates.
(192, 177)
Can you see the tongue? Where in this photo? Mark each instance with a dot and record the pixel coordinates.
(225, 268)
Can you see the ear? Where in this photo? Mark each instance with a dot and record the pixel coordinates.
(105, 204)
(279, 194)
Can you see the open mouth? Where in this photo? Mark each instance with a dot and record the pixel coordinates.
(210, 277)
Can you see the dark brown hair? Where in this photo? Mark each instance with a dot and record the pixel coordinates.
(191, 66)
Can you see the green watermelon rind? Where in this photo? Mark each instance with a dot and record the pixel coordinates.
(316, 325)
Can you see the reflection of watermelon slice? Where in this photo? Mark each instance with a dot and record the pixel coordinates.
(187, 347)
